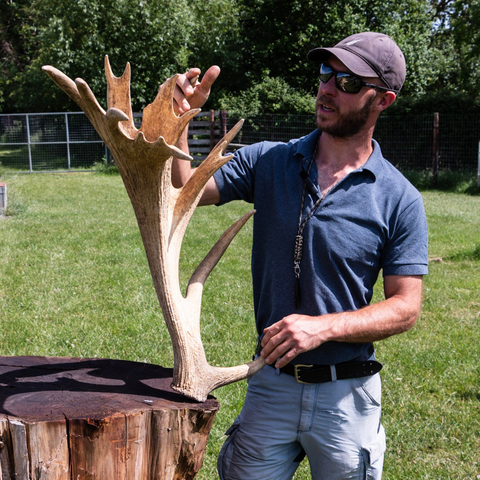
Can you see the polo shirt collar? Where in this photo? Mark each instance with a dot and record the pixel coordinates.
(376, 161)
(306, 146)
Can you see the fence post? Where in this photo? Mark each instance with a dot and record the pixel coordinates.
(478, 171)
(30, 164)
(108, 155)
(223, 122)
(436, 142)
(67, 132)
(212, 129)
(3, 197)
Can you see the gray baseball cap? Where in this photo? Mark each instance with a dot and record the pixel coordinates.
(368, 54)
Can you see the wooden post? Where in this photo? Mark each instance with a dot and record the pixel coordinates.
(212, 129)
(3, 197)
(223, 122)
(97, 419)
(436, 142)
(478, 170)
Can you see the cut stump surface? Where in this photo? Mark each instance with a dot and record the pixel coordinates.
(97, 419)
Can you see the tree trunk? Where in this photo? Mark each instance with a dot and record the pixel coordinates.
(97, 419)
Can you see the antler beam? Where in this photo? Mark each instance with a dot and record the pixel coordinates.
(144, 159)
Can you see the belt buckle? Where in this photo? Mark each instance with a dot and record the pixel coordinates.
(297, 378)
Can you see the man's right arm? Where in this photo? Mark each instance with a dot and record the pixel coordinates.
(191, 94)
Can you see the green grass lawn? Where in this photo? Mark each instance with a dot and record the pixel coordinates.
(74, 281)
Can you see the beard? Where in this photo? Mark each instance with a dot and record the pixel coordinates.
(347, 125)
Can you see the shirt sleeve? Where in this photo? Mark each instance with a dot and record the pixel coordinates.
(406, 252)
(236, 179)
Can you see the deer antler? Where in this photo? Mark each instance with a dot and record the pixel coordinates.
(144, 159)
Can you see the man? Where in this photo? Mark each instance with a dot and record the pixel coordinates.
(331, 213)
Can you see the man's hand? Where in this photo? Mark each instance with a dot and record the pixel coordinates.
(190, 93)
(291, 336)
(295, 334)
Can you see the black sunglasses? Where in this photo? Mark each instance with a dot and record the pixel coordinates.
(346, 82)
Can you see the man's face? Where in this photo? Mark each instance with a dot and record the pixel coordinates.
(341, 114)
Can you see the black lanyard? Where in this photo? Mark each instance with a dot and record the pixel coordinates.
(297, 254)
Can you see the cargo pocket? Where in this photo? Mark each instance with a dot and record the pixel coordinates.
(225, 456)
(373, 457)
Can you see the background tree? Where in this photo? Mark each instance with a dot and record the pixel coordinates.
(271, 95)
(261, 46)
(455, 45)
(277, 35)
(154, 36)
(465, 28)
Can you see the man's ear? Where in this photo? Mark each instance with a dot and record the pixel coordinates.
(386, 99)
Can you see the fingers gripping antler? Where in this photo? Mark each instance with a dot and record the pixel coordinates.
(144, 158)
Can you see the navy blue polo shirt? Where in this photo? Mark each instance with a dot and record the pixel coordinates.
(372, 220)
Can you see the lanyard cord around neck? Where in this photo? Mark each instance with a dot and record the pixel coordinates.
(297, 255)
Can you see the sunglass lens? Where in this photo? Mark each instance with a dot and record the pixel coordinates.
(344, 81)
(325, 73)
(348, 83)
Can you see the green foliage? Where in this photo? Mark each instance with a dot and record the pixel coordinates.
(257, 43)
(216, 35)
(272, 95)
(279, 34)
(104, 168)
(457, 182)
(458, 39)
(444, 101)
(74, 37)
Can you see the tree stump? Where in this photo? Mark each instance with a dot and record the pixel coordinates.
(97, 419)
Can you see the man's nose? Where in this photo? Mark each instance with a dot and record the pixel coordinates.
(328, 88)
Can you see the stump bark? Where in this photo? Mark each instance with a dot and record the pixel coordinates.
(97, 419)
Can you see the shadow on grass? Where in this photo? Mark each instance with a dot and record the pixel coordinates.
(447, 181)
(473, 393)
(473, 254)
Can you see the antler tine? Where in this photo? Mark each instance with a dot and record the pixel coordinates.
(115, 115)
(159, 119)
(118, 91)
(224, 142)
(89, 101)
(64, 82)
(195, 285)
(210, 165)
(220, 376)
(190, 193)
(161, 144)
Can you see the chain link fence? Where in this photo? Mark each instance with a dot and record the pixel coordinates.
(67, 141)
(49, 142)
(410, 143)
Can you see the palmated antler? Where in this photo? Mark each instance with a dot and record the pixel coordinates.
(144, 159)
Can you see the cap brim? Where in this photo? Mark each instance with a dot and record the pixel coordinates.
(353, 62)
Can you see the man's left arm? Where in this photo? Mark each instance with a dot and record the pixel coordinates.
(396, 314)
